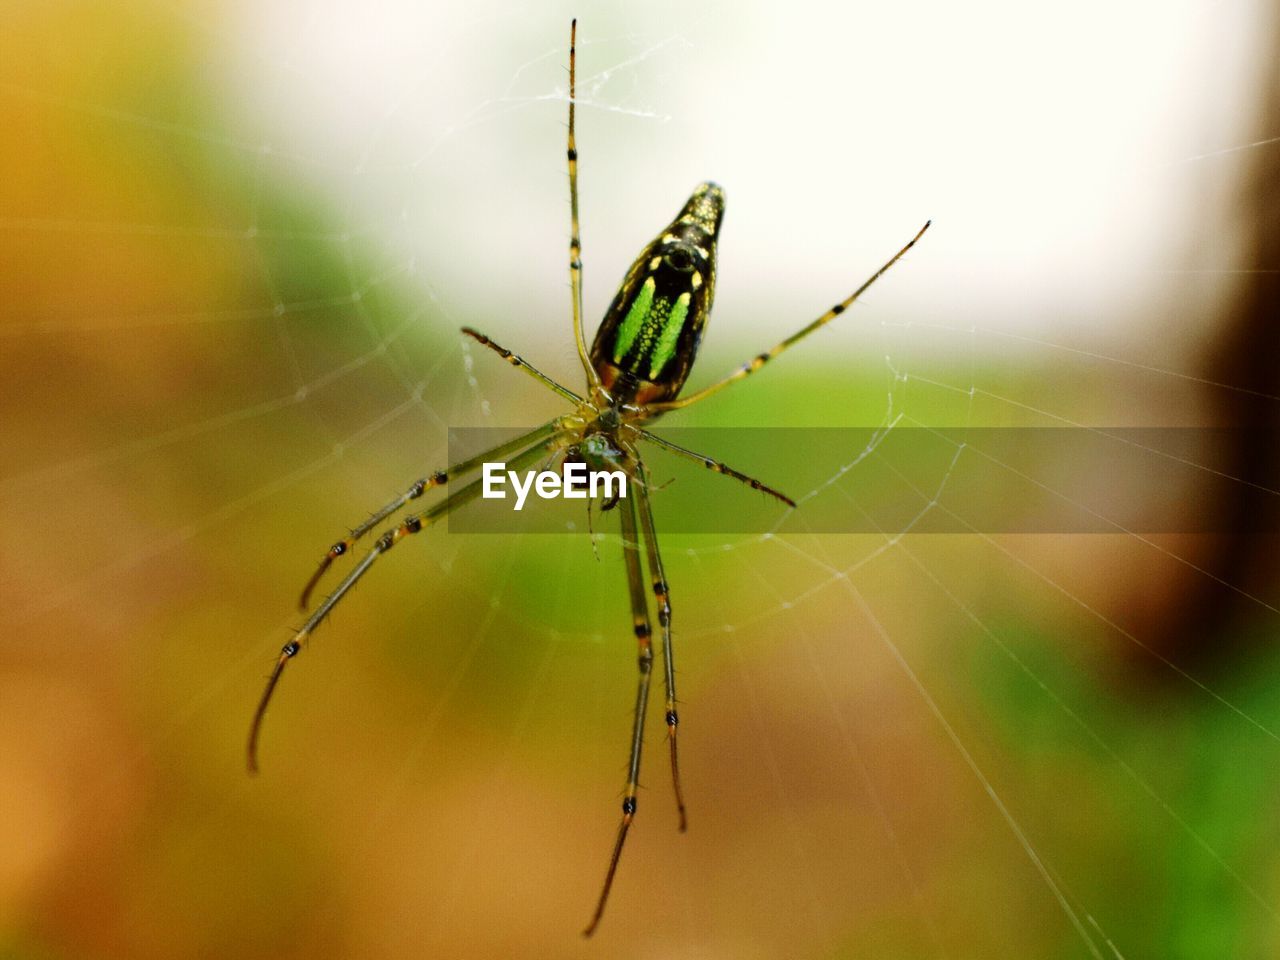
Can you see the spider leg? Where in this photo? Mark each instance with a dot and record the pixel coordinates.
(414, 523)
(417, 489)
(575, 239)
(662, 599)
(520, 363)
(715, 466)
(758, 361)
(640, 618)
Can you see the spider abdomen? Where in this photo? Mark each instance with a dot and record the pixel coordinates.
(649, 337)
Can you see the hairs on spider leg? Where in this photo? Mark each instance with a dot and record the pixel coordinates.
(255, 728)
(591, 532)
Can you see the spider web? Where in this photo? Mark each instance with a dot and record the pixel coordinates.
(921, 744)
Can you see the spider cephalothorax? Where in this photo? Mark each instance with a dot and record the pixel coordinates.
(635, 371)
(600, 451)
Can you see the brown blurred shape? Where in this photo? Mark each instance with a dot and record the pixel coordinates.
(1218, 621)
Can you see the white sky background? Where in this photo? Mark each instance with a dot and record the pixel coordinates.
(1059, 150)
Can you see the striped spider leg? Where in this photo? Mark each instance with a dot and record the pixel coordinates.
(575, 236)
(416, 490)
(532, 446)
(441, 477)
(638, 529)
(643, 632)
(760, 359)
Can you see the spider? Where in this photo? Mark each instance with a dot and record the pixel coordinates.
(635, 370)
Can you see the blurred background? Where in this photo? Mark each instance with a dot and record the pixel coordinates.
(236, 243)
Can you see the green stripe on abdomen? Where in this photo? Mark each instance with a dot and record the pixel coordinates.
(634, 320)
(665, 348)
